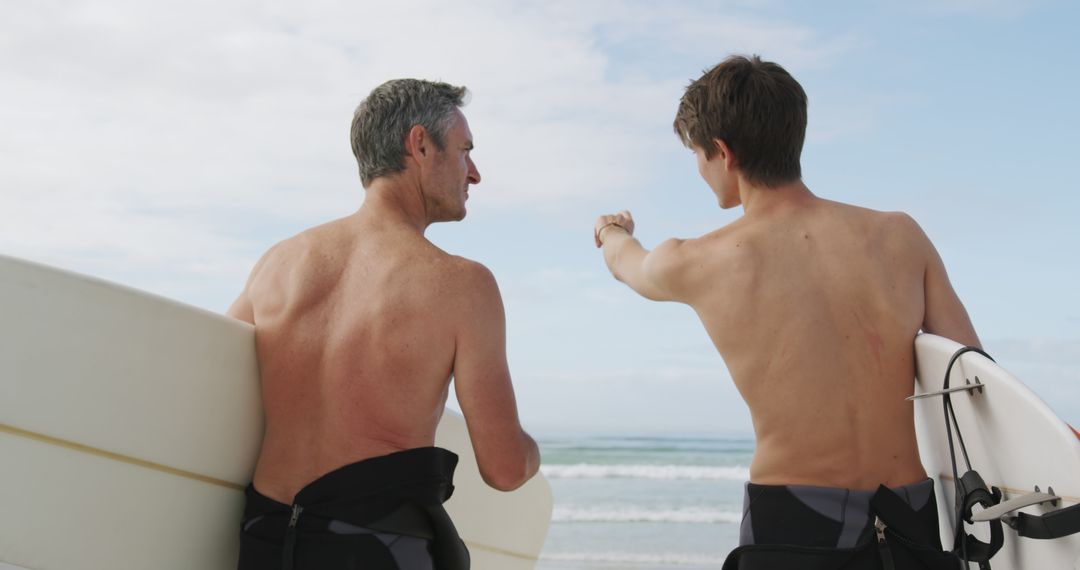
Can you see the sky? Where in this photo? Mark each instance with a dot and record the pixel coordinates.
(165, 145)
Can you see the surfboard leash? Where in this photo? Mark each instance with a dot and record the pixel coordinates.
(969, 489)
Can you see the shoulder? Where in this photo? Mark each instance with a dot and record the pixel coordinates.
(899, 221)
(243, 307)
(898, 228)
(673, 251)
(687, 268)
(674, 257)
(280, 265)
(281, 253)
(724, 244)
(468, 272)
(471, 282)
(469, 295)
(267, 261)
(885, 220)
(899, 240)
(902, 228)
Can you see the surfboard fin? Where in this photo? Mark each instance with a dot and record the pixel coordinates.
(1005, 507)
(1055, 524)
(967, 387)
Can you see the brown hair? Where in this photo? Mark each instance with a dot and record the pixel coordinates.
(757, 108)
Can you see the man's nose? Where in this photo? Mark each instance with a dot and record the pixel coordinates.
(474, 174)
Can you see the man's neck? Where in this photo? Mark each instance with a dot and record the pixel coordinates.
(396, 199)
(760, 200)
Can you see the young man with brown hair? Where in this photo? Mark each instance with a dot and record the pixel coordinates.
(814, 306)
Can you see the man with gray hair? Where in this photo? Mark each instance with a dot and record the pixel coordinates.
(360, 324)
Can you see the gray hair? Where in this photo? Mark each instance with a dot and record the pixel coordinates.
(383, 120)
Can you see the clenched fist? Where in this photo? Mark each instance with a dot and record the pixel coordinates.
(605, 223)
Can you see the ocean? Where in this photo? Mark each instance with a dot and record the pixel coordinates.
(644, 502)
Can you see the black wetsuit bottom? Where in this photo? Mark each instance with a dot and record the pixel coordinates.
(383, 513)
(818, 528)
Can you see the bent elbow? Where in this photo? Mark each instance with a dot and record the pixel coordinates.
(504, 485)
(506, 480)
(509, 466)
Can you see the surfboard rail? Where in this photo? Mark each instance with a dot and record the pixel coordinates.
(130, 425)
(1014, 440)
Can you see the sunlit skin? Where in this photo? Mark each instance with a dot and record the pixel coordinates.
(814, 306)
(360, 323)
(446, 184)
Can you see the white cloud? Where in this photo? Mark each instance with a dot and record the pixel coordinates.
(165, 144)
(240, 109)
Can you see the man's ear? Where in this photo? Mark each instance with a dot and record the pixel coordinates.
(417, 142)
(723, 152)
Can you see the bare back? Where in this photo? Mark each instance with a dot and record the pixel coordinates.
(815, 308)
(356, 347)
(360, 324)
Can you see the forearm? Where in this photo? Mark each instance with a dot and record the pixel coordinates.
(649, 273)
(624, 255)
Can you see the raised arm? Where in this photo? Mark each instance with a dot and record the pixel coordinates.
(506, 455)
(656, 275)
(944, 313)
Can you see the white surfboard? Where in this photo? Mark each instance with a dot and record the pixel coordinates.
(129, 425)
(1014, 440)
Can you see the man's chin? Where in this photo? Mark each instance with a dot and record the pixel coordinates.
(452, 216)
(728, 204)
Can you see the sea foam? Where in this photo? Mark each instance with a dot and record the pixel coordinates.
(632, 514)
(596, 471)
(672, 558)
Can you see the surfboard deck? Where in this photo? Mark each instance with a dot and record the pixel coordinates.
(1014, 440)
(129, 425)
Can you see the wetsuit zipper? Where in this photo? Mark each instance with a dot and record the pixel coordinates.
(287, 552)
(296, 510)
(883, 545)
